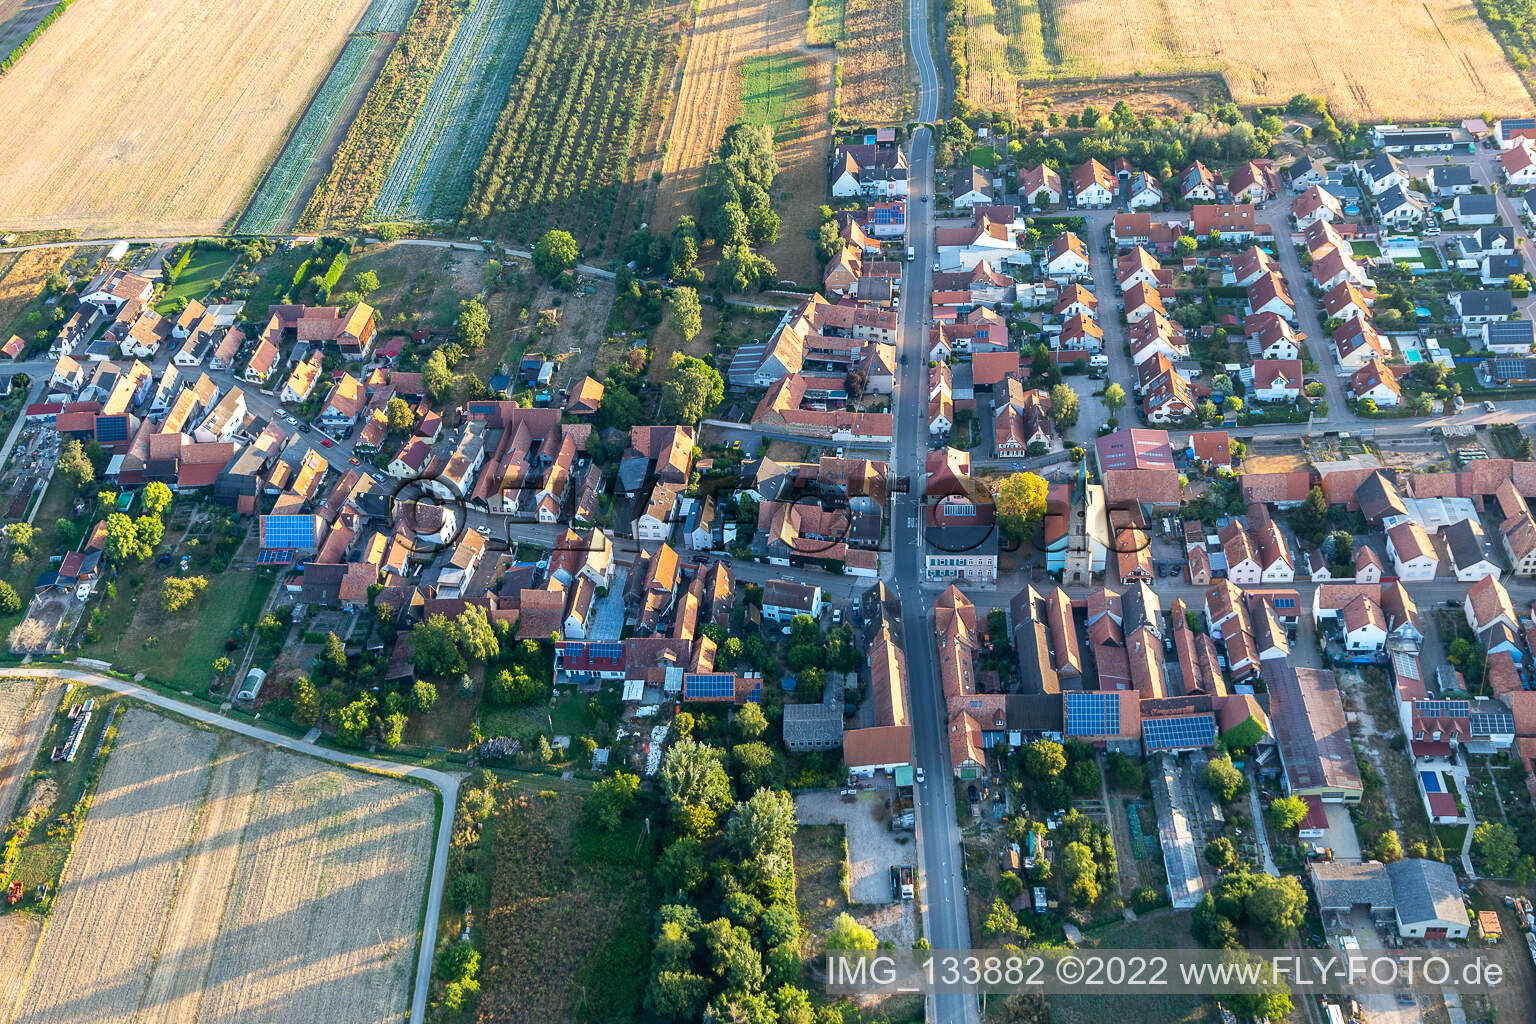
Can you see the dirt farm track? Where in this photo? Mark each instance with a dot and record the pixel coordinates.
(157, 118)
(219, 880)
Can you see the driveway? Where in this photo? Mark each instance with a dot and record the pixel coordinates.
(872, 847)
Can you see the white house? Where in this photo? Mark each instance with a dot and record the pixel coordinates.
(783, 600)
(1518, 165)
(1377, 381)
(1476, 308)
(1475, 209)
(1383, 173)
(1143, 192)
(1471, 557)
(1399, 208)
(1508, 337)
(1273, 380)
(1093, 185)
(1412, 552)
(1066, 258)
(973, 187)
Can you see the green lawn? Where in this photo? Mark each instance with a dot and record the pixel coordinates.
(825, 24)
(203, 271)
(138, 636)
(1162, 929)
(1430, 257)
(983, 156)
(776, 90)
(1364, 249)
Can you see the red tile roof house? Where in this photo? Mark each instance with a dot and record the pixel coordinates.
(1377, 382)
(1344, 301)
(1269, 295)
(1142, 302)
(1273, 380)
(1040, 186)
(1093, 185)
(1313, 205)
(1139, 267)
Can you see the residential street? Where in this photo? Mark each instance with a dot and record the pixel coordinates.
(446, 784)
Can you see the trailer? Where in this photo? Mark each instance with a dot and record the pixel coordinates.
(907, 885)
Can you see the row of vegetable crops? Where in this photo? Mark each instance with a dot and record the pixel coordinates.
(358, 168)
(568, 143)
(269, 206)
(384, 16)
(430, 174)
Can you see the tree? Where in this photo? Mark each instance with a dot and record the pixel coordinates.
(366, 283)
(555, 253)
(437, 377)
(1389, 846)
(692, 775)
(1000, 920)
(473, 324)
(306, 702)
(1276, 906)
(10, 602)
(691, 390)
(436, 650)
(1085, 778)
(1127, 773)
(847, 933)
(1021, 503)
(74, 464)
(1311, 515)
(680, 868)
(1222, 778)
(1286, 813)
(1496, 847)
(399, 415)
(351, 722)
(1114, 398)
(178, 592)
(1065, 406)
(1261, 1005)
(1044, 759)
(740, 270)
(1185, 245)
(1220, 853)
(221, 665)
(611, 799)
(21, 535)
(156, 498)
(122, 544)
(423, 696)
(686, 319)
(474, 635)
(761, 831)
(1207, 411)
(1232, 403)
(151, 530)
(750, 723)
(391, 729)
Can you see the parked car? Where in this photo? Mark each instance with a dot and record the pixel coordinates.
(1488, 407)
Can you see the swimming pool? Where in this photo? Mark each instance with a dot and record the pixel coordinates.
(1412, 356)
(1431, 782)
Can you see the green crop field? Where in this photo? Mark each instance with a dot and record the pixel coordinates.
(776, 91)
(825, 24)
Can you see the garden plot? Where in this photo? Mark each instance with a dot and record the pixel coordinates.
(430, 174)
(269, 207)
(218, 880)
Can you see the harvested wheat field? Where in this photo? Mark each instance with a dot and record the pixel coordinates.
(726, 33)
(20, 284)
(1372, 59)
(877, 87)
(107, 132)
(218, 880)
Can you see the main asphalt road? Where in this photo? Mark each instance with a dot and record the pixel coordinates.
(941, 883)
(446, 783)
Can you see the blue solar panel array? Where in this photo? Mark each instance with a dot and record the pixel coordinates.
(289, 532)
(1492, 723)
(705, 687)
(1093, 714)
(1188, 732)
(1442, 708)
(110, 429)
(273, 557)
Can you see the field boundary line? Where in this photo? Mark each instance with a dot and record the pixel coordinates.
(446, 784)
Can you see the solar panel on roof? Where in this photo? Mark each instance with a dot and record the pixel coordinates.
(111, 428)
(1093, 714)
(1487, 724)
(1442, 708)
(290, 532)
(704, 687)
(1188, 731)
